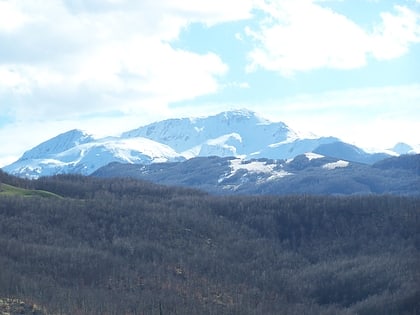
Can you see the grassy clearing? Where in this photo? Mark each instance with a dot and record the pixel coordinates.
(9, 190)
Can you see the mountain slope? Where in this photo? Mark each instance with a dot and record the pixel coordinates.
(305, 174)
(408, 162)
(84, 158)
(9, 190)
(239, 133)
(58, 144)
(341, 149)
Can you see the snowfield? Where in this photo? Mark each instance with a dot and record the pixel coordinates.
(334, 165)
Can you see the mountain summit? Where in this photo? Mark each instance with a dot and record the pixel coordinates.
(58, 144)
(239, 133)
(231, 133)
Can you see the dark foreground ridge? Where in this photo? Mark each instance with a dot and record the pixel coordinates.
(301, 175)
(121, 246)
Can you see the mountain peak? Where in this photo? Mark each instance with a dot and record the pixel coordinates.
(59, 143)
(242, 114)
(402, 148)
(239, 133)
(189, 135)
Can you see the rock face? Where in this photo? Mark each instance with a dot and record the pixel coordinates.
(240, 133)
(16, 306)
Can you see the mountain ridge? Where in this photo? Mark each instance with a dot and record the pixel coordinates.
(313, 174)
(239, 133)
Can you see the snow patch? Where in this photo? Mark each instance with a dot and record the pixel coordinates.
(257, 167)
(252, 167)
(313, 156)
(278, 174)
(334, 165)
(225, 138)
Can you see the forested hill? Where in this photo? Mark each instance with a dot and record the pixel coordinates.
(305, 174)
(129, 247)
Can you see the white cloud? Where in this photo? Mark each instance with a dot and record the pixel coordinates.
(374, 118)
(368, 117)
(303, 35)
(69, 58)
(392, 38)
(10, 17)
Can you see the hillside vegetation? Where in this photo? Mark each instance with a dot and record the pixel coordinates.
(123, 246)
(9, 190)
(305, 174)
(14, 306)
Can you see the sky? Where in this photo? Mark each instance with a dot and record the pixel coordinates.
(344, 68)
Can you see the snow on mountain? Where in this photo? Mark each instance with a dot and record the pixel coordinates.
(241, 170)
(313, 156)
(211, 135)
(334, 165)
(226, 145)
(293, 147)
(302, 174)
(239, 133)
(257, 167)
(348, 152)
(58, 144)
(402, 148)
(85, 158)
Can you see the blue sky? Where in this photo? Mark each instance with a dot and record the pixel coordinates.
(348, 68)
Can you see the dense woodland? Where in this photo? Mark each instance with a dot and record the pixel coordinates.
(123, 246)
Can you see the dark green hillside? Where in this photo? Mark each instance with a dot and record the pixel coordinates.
(11, 186)
(9, 190)
(129, 247)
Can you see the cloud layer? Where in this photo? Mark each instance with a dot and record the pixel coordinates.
(73, 57)
(304, 35)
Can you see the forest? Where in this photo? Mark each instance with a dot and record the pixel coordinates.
(83, 245)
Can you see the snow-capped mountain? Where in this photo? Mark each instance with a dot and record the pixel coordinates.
(238, 133)
(403, 148)
(232, 133)
(58, 144)
(79, 153)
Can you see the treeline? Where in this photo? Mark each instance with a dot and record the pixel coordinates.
(129, 247)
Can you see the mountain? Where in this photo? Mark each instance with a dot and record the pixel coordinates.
(409, 162)
(77, 152)
(341, 149)
(305, 174)
(232, 133)
(402, 148)
(58, 144)
(238, 133)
